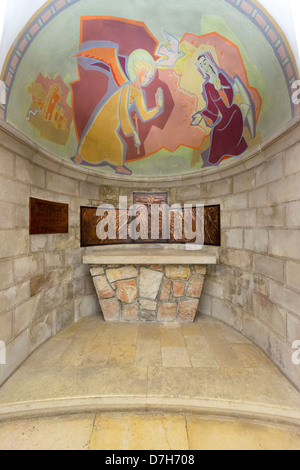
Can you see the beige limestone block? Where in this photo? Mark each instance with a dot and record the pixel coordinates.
(7, 160)
(26, 313)
(110, 309)
(269, 266)
(6, 274)
(88, 190)
(280, 351)
(205, 304)
(257, 331)
(285, 243)
(292, 161)
(103, 289)
(38, 242)
(244, 181)
(29, 173)
(54, 260)
(256, 240)
(13, 296)
(14, 243)
(285, 297)
(16, 352)
(149, 283)
(127, 291)
(6, 325)
(245, 218)
(233, 238)
(236, 202)
(13, 191)
(271, 216)
(167, 312)
(22, 216)
(178, 272)
(61, 184)
(270, 313)
(53, 297)
(292, 212)
(285, 190)
(188, 310)
(86, 306)
(41, 330)
(119, 274)
(258, 197)
(7, 220)
(219, 188)
(270, 171)
(28, 266)
(293, 327)
(293, 274)
(139, 432)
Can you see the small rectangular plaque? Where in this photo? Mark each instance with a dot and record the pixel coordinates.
(47, 217)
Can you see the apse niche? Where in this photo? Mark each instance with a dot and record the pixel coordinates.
(142, 95)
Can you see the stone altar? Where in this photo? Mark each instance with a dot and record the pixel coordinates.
(149, 282)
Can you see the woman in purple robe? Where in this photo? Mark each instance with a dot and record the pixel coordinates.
(221, 114)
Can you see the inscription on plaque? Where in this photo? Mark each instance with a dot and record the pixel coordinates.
(47, 217)
(122, 221)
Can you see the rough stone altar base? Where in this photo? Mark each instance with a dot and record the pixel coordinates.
(149, 293)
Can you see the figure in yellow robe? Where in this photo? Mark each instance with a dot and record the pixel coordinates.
(101, 143)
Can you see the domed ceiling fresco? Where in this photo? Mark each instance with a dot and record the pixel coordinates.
(149, 89)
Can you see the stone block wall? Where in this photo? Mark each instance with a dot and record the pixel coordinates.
(43, 285)
(255, 286)
(149, 293)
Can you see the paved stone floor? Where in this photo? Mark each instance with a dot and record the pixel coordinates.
(149, 386)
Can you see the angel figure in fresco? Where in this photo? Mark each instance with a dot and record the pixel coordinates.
(101, 143)
(221, 113)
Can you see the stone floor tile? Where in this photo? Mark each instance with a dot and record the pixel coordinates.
(148, 353)
(227, 434)
(250, 356)
(200, 352)
(175, 357)
(122, 355)
(119, 431)
(225, 355)
(57, 433)
(171, 336)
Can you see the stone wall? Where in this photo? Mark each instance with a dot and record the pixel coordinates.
(255, 287)
(43, 285)
(149, 293)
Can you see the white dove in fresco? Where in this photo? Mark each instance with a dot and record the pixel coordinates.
(172, 53)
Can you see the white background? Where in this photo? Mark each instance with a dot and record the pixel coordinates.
(14, 14)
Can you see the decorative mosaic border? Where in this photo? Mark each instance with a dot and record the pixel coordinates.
(45, 15)
(54, 8)
(275, 39)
